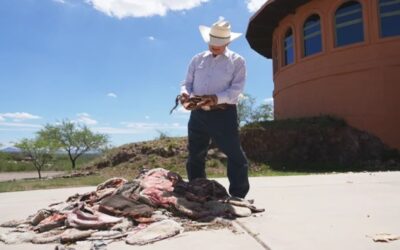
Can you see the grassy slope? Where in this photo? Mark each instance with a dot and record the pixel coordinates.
(215, 166)
(170, 153)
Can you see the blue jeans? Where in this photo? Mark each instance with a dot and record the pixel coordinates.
(222, 127)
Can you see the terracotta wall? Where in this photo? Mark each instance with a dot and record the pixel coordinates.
(359, 82)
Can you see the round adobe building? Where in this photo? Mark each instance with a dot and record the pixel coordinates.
(334, 57)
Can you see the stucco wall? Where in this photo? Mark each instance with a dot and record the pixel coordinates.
(359, 82)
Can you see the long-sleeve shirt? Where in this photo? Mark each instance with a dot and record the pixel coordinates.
(223, 75)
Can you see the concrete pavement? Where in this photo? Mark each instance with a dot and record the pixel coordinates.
(335, 211)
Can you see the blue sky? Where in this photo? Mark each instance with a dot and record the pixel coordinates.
(114, 65)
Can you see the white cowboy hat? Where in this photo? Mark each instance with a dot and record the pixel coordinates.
(218, 34)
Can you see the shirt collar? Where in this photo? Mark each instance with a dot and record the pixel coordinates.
(226, 53)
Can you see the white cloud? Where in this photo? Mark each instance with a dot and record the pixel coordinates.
(182, 110)
(152, 126)
(243, 97)
(142, 8)
(19, 125)
(254, 5)
(18, 116)
(140, 128)
(86, 119)
(113, 130)
(16, 123)
(59, 1)
(111, 94)
(151, 38)
(147, 117)
(269, 100)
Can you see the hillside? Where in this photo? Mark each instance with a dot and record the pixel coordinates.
(317, 144)
(169, 153)
(320, 144)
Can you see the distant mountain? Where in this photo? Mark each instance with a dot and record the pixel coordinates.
(11, 150)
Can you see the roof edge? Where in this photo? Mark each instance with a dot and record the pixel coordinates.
(265, 20)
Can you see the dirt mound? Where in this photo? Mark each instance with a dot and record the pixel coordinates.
(308, 144)
(318, 144)
(136, 152)
(170, 153)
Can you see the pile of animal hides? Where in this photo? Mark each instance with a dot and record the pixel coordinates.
(156, 205)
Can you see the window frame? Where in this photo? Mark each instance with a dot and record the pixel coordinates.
(378, 6)
(284, 58)
(335, 33)
(303, 39)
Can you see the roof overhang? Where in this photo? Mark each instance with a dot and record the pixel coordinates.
(263, 23)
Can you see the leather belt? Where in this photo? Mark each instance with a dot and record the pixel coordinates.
(221, 106)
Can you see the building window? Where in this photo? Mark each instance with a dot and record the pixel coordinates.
(389, 11)
(349, 24)
(312, 35)
(288, 47)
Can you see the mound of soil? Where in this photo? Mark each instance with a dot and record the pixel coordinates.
(162, 153)
(318, 144)
(307, 144)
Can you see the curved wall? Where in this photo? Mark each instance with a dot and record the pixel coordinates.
(359, 82)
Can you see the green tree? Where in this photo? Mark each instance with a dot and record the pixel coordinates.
(75, 139)
(247, 113)
(1, 153)
(39, 149)
(264, 112)
(245, 108)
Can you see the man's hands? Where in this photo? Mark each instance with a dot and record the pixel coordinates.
(184, 98)
(204, 102)
(208, 100)
(189, 103)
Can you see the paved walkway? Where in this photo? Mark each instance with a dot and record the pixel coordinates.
(321, 212)
(9, 176)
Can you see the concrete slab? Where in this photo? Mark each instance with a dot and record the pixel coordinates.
(335, 211)
(200, 240)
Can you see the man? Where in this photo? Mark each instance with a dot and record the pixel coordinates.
(218, 76)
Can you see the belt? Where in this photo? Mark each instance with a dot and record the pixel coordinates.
(221, 106)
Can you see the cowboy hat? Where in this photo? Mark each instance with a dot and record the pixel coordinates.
(218, 34)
